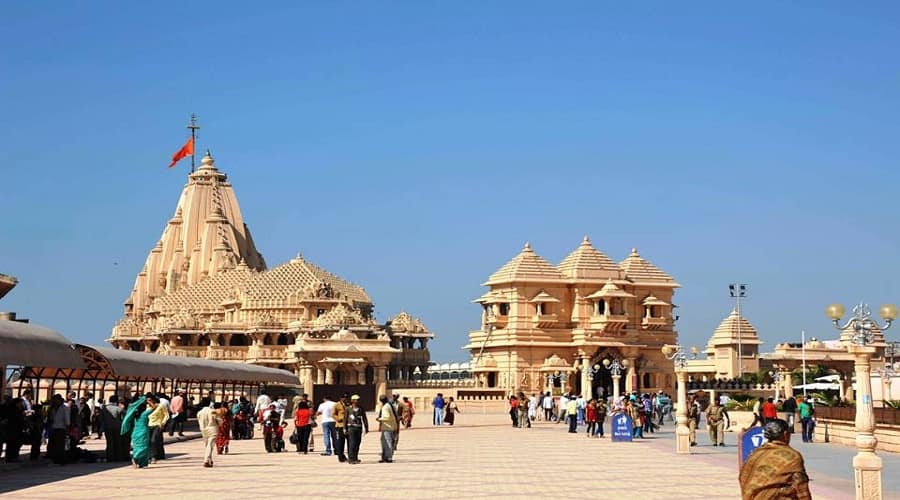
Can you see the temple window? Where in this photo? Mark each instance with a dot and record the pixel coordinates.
(541, 309)
(282, 339)
(601, 307)
(504, 309)
(238, 339)
(648, 380)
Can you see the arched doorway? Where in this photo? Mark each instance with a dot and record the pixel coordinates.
(602, 383)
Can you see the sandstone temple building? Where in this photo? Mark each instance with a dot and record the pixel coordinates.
(548, 328)
(205, 291)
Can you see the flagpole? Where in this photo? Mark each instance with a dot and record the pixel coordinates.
(193, 126)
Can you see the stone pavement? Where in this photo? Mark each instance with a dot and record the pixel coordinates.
(482, 458)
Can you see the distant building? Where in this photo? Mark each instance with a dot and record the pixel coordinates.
(546, 327)
(205, 291)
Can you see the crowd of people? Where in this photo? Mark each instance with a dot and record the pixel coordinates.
(647, 412)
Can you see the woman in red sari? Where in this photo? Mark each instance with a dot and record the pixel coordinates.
(224, 436)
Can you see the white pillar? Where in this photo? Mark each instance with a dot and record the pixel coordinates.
(866, 464)
(682, 432)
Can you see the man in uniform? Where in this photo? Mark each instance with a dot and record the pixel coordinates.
(693, 419)
(775, 470)
(340, 414)
(716, 418)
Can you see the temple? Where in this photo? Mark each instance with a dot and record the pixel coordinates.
(205, 291)
(551, 328)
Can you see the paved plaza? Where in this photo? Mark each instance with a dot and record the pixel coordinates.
(483, 458)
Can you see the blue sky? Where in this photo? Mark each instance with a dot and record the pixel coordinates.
(413, 147)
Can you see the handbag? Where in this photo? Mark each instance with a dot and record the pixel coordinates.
(294, 438)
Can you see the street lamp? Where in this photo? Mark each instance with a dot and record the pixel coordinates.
(615, 368)
(553, 377)
(890, 369)
(866, 464)
(676, 354)
(738, 291)
(776, 379)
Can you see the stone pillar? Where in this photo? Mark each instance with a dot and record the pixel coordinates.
(616, 391)
(306, 375)
(360, 374)
(630, 375)
(320, 375)
(329, 374)
(786, 385)
(866, 464)
(380, 380)
(682, 433)
(586, 377)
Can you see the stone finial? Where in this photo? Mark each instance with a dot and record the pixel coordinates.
(634, 252)
(586, 240)
(527, 247)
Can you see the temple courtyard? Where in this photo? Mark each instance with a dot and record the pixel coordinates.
(483, 457)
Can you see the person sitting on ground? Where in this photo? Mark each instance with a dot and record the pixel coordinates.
(775, 470)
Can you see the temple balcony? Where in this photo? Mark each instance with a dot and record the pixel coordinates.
(497, 320)
(654, 323)
(544, 320)
(413, 357)
(608, 322)
(224, 353)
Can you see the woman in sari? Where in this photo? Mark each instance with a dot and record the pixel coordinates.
(224, 435)
(136, 422)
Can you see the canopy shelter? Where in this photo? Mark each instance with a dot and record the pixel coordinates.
(122, 368)
(24, 344)
(819, 386)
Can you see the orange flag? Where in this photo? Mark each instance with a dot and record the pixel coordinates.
(186, 150)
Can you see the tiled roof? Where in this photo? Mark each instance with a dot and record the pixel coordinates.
(728, 329)
(638, 269)
(341, 315)
(543, 297)
(406, 323)
(527, 266)
(588, 262)
(299, 276)
(207, 294)
(610, 290)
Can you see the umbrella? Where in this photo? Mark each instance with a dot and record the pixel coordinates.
(819, 386)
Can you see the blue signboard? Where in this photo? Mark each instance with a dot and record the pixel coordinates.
(751, 439)
(621, 427)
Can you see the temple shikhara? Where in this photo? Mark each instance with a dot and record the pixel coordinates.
(205, 291)
(549, 328)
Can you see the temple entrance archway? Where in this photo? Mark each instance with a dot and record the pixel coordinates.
(602, 383)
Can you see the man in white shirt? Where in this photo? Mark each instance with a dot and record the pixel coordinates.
(262, 404)
(563, 402)
(329, 430)
(548, 407)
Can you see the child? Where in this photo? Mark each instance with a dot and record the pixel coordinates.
(273, 431)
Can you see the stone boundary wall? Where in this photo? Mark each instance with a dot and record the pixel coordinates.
(469, 399)
(844, 432)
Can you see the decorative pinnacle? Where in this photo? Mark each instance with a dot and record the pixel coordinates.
(586, 240)
(634, 252)
(527, 246)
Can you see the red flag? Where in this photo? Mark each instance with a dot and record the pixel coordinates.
(186, 150)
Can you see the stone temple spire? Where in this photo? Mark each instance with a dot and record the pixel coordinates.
(206, 235)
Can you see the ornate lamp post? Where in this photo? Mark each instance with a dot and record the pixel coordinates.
(676, 354)
(866, 464)
(553, 377)
(890, 369)
(615, 369)
(776, 379)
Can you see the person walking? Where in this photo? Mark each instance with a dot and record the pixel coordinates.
(572, 415)
(177, 414)
(806, 419)
(601, 411)
(438, 404)
(157, 422)
(59, 418)
(329, 432)
(135, 422)
(693, 420)
(111, 415)
(769, 411)
(790, 407)
(209, 420)
(563, 408)
(302, 426)
(523, 411)
(717, 420)
(514, 410)
(387, 424)
(451, 411)
(340, 415)
(547, 405)
(356, 424)
(398, 411)
(775, 470)
(409, 414)
(590, 417)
